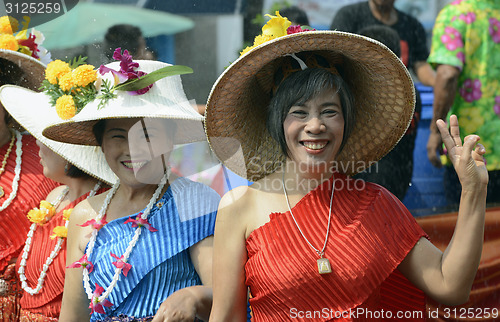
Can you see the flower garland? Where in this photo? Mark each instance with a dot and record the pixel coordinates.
(5, 158)
(73, 85)
(49, 209)
(276, 27)
(17, 172)
(97, 298)
(29, 44)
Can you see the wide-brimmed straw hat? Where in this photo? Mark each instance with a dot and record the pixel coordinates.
(165, 100)
(384, 98)
(34, 116)
(33, 69)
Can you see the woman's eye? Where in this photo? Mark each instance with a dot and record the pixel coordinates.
(330, 112)
(298, 113)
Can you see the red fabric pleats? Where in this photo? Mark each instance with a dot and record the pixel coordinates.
(371, 233)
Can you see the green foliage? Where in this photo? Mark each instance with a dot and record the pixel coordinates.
(77, 62)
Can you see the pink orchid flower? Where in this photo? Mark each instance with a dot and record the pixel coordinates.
(95, 304)
(127, 70)
(82, 262)
(121, 264)
(139, 222)
(94, 223)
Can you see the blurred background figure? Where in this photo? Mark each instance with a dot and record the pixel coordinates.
(465, 52)
(127, 37)
(414, 52)
(395, 170)
(296, 15)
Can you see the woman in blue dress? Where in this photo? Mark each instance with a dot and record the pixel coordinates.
(144, 248)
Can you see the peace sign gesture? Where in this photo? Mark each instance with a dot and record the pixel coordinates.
(468, 158)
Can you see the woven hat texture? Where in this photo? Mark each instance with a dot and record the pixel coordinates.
(384, 99)
(34, 70)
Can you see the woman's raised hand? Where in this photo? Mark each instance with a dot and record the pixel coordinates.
(467, 158)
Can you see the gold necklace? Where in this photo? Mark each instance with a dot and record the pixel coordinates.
(324, 266)
(4, 162)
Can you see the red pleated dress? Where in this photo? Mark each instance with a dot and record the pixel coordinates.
(371, 232)
(46, 305)
(14, 225)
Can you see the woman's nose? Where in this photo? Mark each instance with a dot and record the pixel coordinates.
(315, 125)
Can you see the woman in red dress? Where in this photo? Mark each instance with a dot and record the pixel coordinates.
(309, 242)
(80, 169)
(22, 183)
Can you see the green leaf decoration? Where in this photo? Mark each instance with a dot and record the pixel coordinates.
(77, 62)
(146, 80)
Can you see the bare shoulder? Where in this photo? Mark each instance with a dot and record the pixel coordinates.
(56, 192)
(87, 209)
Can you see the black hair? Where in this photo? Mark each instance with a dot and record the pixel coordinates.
(98, 130)
(295, 15)
(74, 172)
(124, 36)
(385, 35)
(300, 87)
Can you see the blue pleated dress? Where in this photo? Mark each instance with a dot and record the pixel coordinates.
(160, 260)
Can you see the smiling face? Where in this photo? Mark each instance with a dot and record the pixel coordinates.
(53, 164)
(137, 150)
(314, 131)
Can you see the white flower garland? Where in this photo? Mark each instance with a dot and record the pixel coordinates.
(131, 244)
(53, 254)
(17, 171)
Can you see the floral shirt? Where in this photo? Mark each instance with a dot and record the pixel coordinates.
(467, 35)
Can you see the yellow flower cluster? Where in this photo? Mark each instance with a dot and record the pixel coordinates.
(42, 214)
(276, 27)
(59, 231)
(8, 25)
(72, 82)
(65, 107)
(55, 70)
(67, 213)
(9, 42)
(84, 75)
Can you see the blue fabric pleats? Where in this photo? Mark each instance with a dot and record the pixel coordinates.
(160, 260)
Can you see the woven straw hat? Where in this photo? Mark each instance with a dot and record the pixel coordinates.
(165, 100)
(35, 115)
(34, 70)
(384, 99)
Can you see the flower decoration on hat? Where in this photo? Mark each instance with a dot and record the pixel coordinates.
(11, 38)
(73, 85)
(276, 27)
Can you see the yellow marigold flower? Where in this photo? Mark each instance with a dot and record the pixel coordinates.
(7, 41)
(47, 208)
(8, 25)
(246, 50)
(277, 26)
(66, 81)
(67, 213)
(56, 69)
(260, 39)
(65, 107)
(59, 231)
(36, 216)
(84, 75)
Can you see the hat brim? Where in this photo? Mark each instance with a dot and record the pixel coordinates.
(165, 100)
(384, 95)
(32, 110)
(34, 70)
